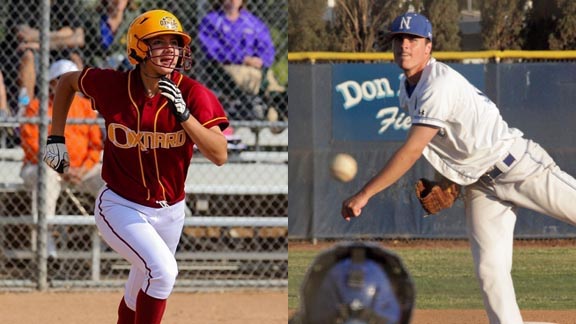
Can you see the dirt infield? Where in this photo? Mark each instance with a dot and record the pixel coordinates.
(183, 308)
(476, 316)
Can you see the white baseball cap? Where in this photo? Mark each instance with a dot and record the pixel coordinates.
(60, 67)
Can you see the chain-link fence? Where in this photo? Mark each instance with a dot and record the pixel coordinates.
(236, 225)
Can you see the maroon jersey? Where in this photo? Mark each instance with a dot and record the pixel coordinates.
(147, 152)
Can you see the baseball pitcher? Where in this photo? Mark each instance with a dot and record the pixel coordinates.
(463, 136)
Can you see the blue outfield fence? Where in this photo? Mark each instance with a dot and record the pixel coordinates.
(353, 108)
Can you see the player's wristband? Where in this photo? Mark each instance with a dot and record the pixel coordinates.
(183, 116)
(53, 139)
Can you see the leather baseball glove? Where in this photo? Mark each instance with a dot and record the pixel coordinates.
(436, 196)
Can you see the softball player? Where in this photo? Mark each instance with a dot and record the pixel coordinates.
(154, 116)
(462, 134)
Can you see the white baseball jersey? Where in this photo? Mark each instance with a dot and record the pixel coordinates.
(472, 135)
(471, 140)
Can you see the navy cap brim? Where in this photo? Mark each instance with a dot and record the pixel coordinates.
(391, 35)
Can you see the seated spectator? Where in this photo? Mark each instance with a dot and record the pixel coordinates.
(66, 38)
(106, 33)
(84, 142)
(240, 45)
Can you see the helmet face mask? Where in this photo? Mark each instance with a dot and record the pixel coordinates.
(356, 283)
(181, 56)
(151, 24)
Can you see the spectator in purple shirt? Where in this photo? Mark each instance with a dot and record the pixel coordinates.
(233, 35)
(241, 44)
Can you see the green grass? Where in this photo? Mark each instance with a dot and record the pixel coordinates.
(544, 278)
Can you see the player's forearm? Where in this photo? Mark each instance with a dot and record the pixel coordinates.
(60, 112)
(395, 168)
(61, 105)
(211, 142)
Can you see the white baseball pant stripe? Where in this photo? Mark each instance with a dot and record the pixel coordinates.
(534, 181)
(146, 237)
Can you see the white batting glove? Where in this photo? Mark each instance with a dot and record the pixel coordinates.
(56, 155)
(169, 90)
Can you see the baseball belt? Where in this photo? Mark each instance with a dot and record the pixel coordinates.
(494, 172)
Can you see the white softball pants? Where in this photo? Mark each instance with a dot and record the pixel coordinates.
(146, 237)
(533, 181)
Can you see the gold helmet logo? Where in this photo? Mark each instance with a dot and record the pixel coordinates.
(169, 23)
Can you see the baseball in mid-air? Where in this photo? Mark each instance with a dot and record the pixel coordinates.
(344, 167)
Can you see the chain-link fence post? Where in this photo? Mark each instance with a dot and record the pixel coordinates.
(43, 126)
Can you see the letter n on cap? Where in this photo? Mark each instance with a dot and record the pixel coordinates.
(405, 23)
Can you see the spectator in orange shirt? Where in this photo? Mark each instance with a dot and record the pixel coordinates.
(84, 144)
